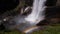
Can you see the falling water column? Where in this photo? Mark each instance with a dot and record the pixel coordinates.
(37, 13)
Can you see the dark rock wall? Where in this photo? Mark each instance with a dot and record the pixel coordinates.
(8, 5)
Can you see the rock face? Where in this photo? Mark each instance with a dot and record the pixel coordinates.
(52, 16)
(8, 5)
(51, 2)
(53, 12)
(58, 3)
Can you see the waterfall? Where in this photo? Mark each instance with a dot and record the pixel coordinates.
(37, 13)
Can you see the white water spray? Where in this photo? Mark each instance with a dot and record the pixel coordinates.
(37, 12)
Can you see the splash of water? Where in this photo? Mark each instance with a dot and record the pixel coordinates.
(37, 12)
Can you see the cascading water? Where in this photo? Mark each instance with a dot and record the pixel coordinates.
(35, 17)
(37, 12)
